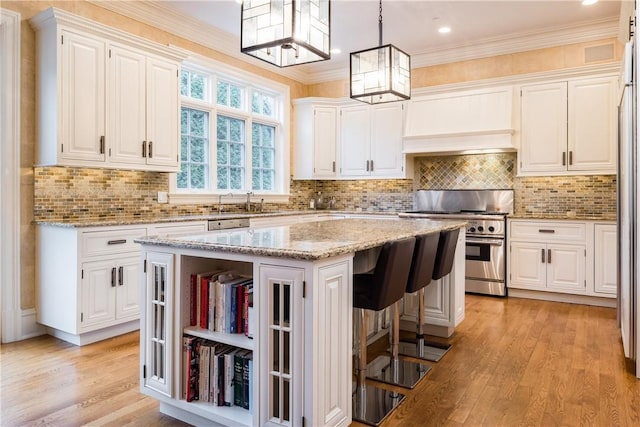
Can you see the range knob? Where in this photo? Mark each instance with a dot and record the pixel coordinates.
(492, 228)
(472, 230)
(480, 228)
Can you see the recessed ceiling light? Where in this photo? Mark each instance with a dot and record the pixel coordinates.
(444, 30)
(336, 50)
(589, 2)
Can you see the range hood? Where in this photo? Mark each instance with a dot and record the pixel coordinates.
(458, 122)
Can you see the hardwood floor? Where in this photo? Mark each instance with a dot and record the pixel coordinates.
(514, 362)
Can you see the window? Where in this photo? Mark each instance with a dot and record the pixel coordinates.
(234, 135)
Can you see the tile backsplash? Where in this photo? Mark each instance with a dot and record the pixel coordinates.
(62, 193)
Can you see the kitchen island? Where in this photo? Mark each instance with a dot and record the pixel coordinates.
(301, 366)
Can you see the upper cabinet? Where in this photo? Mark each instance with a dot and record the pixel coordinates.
(105, 98)
(335, 139)
(569, 127)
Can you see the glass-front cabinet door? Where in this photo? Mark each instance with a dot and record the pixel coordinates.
(156, 340)
(281, 345)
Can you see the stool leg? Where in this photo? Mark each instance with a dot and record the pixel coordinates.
(421, 349)
(371, 405)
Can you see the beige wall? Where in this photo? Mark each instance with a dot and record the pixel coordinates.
(504, 65)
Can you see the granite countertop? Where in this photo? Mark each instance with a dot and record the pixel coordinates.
(570, 217)
(308, 241)
(111, 221)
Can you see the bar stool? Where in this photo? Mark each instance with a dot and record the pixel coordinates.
(378, 290)
(393, 370)
(444, 258)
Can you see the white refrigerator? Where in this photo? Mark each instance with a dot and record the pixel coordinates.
(628, 208)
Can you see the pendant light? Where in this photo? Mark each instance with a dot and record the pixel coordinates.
(286, 32)
(381, 74)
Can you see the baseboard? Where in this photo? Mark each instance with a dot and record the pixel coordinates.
(558, 297)
(29, 328)
(97, 335)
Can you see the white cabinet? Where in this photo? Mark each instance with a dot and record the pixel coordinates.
(88, 279)
(563, 257)
(315, 140)
(371, 141)
(80, 121)
(605, 259)
(105, 98)
(569, 127)
(143, 110)
(337, 139)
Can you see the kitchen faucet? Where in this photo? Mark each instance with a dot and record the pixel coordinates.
(248, 205)
(220, 202)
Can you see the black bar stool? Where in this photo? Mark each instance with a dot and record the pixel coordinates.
(444, 258)
(376, 291)
(393, 370)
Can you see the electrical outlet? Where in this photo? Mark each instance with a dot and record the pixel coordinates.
(163, 197)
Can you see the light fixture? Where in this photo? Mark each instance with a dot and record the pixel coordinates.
(444, 30)
(286, 32)
(381, 74)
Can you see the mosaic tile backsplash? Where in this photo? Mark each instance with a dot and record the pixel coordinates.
(466, 172)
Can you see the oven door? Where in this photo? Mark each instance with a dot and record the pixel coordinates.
(485, 259)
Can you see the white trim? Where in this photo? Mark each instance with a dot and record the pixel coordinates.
(10, 175)
(154, 14)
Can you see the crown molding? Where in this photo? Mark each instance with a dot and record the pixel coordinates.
(156, 15)
(166, 19)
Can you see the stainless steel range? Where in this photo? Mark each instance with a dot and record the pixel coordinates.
(485, 211)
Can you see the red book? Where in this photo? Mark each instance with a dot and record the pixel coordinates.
(204, 302)
(193, 307)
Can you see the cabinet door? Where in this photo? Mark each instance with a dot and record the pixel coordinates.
(83, 98)
(126, 106)
(386, 139)
(98, 294)
(281, 332)
(156, 337)
(163, 109)
(128, 288)
(355, 141)
(528, 265)
(566, 268)
(544, 128)
(605, 262)
(592, 124)
(324, 142)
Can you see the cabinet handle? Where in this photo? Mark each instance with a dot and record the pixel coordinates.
(371, 165)
(542, 257)
(120, 275)
(548, 256)
(544, 230)
(113, 277)
(144, 148)
(334, 166)
(367, 165)
(102, 144)
(570, 158)
(150, 149)
(564, 158)
(117, 242)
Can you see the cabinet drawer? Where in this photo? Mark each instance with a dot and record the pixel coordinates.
(179, 229)
(548, 231)
(111, 241)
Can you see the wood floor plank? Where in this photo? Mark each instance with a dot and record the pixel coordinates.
(513, 362)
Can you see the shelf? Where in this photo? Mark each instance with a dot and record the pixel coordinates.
(225, 415)
(236, 340)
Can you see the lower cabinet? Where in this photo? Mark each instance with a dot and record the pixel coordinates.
(88, 278)
(294, 370)
(563, 257)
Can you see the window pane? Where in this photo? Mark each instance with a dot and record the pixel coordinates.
(263, 157)
(256, 179)
(267, 105)
(255, 102)
(197, 86)
(267, 159)
(236, 178)
(231, 153)
(236, 155)
(223, 154)
(237, 127)
(236, 97)
(223, 129)
(194, 149)
(223, 181)
(255, 158)
(268, 179)
(223, 93)
(184, 83)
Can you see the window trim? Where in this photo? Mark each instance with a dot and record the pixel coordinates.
(247, 80)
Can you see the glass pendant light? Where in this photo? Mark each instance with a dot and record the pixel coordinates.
(381, 74)
(286, 32)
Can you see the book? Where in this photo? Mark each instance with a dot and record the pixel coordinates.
(248, 301)
(247, 381)
(191, 369)
(203, 373)
(229, 359)
(193, 302)
(202, 284)
(238, 366)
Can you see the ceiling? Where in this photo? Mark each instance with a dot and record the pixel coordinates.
(478, 28)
